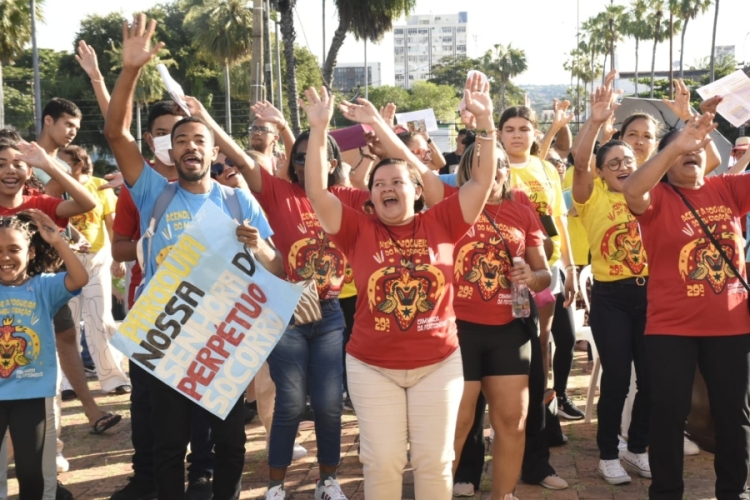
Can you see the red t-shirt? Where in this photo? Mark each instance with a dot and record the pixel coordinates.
(482, 264)
(299, 237)
(691, 291)
(43, 202)
(404, 316)
(128, 223)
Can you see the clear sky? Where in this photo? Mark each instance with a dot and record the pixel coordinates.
(545, 29)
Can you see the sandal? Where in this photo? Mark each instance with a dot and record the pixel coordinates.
(108, 421)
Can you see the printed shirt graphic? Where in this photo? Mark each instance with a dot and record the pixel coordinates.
(541, 183)
(91, 224)
(618, 251)
(28, 364)
(299, 237)
(180, 213)
(47, 204)
(404, 317)
(692, 291)
(482, 264)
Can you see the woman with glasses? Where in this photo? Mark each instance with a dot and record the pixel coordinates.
(224, 172)
(618, 298)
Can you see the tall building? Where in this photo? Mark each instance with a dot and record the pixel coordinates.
(350, 76)
(424, 41)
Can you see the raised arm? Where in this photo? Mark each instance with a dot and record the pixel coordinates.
(365, 112)
(77, 276)
(560, 121)
(693, 137)
(268, 113)
(602, 109)
(741, 164)
(438, 161)
(81, 200)
(319, 110)
(473, 194)
(86, 57)
(136, 53)
(249, 169)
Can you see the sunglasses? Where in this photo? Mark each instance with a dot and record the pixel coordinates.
(218, 168)
(258, 129)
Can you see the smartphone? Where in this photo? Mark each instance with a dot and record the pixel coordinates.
(549, 225)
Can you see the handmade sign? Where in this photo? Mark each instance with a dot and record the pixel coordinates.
(209, 317)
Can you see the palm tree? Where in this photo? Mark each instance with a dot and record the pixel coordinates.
(614, 26)
(15, 33)
(639, 27)
(505, 63)
(687, 10)
(150, 86)
(659, 17)
(222, 29)
(367, 21)
(289, 36)
(597, 36)
(713, 40)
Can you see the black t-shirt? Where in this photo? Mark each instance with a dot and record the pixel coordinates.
(451, 159)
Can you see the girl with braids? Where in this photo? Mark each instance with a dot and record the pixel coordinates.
(31, 247)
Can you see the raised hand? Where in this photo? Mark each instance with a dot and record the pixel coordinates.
(561, 117)
(710, 105)
(388, 113)
(86, 57)
(362, 112)
(268, 113)
(33, 154)
(696, 134)
(469, 121)
(194, 105)
(136, 42)
(48, 230)
(602, 104)
(610, 78)
(319, 108)
(681, 104)
(477, 97)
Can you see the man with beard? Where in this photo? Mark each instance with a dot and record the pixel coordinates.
(269, 125)
(193, 151)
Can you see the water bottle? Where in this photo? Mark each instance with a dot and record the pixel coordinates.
(519, 296)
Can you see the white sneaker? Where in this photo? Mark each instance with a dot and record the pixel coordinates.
(612, 472)
(275, 493)
(638, 461)
(62, 464)
(463, 490)
(622, 445)
(690, 447)
(330, 490)
(298, 452)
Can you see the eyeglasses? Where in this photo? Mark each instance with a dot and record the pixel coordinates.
(299, 158)
(557, 162)
(615, 163)
(259, 129)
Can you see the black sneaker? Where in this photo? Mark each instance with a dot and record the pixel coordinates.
(199, 489)
(348, 406)
(251, 411)
(568, 410)
(138, 488)
(62, 493)
(68, 395)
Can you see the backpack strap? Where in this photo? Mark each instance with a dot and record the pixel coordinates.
(232, 203)
(160, 207)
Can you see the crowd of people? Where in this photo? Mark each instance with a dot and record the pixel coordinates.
(441, 280)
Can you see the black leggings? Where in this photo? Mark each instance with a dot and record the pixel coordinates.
(724, 363)
(26, 420)
(564, 334)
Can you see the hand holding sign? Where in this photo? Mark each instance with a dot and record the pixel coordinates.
(174, 88)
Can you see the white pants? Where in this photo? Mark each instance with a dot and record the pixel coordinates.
(95, 304)
(417, 406)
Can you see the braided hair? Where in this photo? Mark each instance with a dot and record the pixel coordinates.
(46, 259)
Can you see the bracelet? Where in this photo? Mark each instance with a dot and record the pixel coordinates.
(485, 134)
(366, 155)
(570, 268)
(98, 80)
(283, 126)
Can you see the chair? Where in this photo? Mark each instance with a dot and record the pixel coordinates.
(584, 333)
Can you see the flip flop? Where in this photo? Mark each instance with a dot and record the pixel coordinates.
(108, 421)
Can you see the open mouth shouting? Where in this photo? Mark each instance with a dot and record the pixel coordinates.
(390, 200)
(192, 160)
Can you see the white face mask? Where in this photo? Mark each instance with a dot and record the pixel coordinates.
(162, 145)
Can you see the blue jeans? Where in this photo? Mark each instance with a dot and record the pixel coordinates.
(311, 355)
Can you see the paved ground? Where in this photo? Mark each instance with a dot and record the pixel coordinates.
(100, 464)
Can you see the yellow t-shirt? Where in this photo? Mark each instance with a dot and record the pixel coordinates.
(579, 240)
(616, 250)
(541, 183)
(91, 224)
(348, 290)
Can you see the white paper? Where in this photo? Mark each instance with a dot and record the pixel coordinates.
(428, 115)
(735, 89)
(174, 88)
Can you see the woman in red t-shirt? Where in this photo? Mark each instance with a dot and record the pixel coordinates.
(697, 304)
(403, 363)
(496, 347)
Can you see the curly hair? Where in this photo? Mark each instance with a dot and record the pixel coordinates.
(79, 155)
(46, 259)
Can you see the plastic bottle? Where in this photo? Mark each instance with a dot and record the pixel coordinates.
(519, 296)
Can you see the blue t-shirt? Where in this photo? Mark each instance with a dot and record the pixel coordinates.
(28, 363)
(180, 212)
(449, 179)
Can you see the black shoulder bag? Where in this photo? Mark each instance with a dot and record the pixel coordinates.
(715, 243)
(532, 322)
